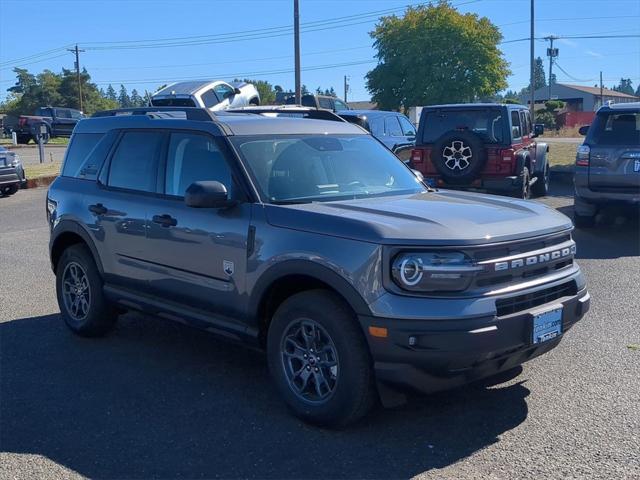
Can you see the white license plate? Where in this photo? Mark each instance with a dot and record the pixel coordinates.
(547, 325)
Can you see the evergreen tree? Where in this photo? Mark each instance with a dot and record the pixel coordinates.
(111, 93)
(136, 99)
(539, 77)
(625, 86)
(123, 97)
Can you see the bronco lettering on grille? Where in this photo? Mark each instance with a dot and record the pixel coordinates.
(537, 259)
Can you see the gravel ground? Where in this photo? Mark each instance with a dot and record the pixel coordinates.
(161, 400)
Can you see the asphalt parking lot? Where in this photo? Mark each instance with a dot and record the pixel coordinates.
(156, 399)
(30, 156)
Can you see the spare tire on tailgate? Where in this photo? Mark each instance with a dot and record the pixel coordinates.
(459, 156)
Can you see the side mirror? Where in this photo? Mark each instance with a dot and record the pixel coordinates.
(538, 129)
(583, 130)
(207, 194)
(236, 91)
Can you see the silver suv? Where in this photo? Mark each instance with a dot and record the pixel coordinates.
(608, 162)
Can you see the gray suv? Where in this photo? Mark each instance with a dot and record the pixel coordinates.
(308, 239)
(608, 162)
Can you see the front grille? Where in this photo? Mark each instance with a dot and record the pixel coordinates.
(508, 306)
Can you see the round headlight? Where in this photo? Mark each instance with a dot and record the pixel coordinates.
(411, 271)
(444, 271)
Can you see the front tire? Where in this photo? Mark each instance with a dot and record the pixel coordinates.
(10, 190)
(320, 360)
(82, 304)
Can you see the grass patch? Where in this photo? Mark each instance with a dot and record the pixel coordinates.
(562, 153)
(42, 169)
(570, 132)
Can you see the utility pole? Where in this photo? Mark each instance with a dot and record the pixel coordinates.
(551, 53)
(77, 52)
(533, 65)
(601, 91)
(296, 43)
(346, 88)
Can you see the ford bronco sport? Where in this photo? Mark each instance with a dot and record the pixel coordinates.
(309, 239)
(608, 163)
(482, 146)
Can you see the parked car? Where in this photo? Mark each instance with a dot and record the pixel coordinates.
(12, 175)
(309, 239)
(391, 128)
(59, 122)
(324, 102)
(482, 146)
(213, 95)
(608, 162)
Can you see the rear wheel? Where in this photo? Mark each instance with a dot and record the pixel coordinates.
(319, 359)
(80, 297)
(541, 187)
(23, 139)
(583, 221)
(10, 190)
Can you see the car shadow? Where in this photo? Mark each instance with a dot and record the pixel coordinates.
(616, 232)
(157, 399)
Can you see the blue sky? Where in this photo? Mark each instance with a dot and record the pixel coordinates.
(37, 26)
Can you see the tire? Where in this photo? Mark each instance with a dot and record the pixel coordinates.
(541, 187)
(254, 102)
(23, 139)
(583, 221)
(459, 157)
(95, 316)
(524, 191)
(10, 190)
(45, 139)
(341, 396)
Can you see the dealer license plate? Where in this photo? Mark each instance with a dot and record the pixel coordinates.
(547, 325)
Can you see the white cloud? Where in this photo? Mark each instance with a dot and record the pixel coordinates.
(594, 54)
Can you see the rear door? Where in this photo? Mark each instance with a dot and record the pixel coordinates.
(63, 124)
(614, 140)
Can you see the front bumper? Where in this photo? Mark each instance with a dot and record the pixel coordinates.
(11, 176)
(439, 354)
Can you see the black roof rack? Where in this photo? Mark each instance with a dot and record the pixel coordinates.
(190, 113)
(296, 111)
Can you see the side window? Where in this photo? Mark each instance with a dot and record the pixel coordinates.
(325, 103)
(75, 114)
(193, 157)
(81, 146)
(525, 125)
(377, 127)
(209, 98)
(223, 91)
(340, 105)
(63, 113)
(392, 127)
(43, 112)
(134, 164)
(516, 132)
(407, 128)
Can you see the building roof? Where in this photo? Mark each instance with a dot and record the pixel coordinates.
(596, 91)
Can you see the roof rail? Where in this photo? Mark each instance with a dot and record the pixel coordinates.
(289, 111)
(190, 113)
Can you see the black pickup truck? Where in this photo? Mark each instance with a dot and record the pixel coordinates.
(59, 122)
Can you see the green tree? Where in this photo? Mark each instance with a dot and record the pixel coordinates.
(435, 54)
(539, 76)
(304, 90)
(136, 99)
(625, 86)
(123, 97)
(111, 93)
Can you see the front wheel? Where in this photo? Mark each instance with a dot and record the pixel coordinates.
(319, 359)
(10, 190)
(82, 304)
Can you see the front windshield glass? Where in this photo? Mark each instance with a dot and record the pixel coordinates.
(487, 123)
(299, 169)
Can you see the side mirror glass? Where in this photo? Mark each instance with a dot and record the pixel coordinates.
(207, 194)
(583, 130)
(538, 129)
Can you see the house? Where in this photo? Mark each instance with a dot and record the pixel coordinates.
(580, 102)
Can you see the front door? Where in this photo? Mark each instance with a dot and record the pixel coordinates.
(198, 254)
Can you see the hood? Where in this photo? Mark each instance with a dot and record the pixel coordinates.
(430, 218)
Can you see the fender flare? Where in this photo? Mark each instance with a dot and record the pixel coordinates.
(310, 269)
(70, 226)
(541, 157)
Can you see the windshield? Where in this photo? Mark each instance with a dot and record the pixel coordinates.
(487, 123)
(295, 169)
(610, 128)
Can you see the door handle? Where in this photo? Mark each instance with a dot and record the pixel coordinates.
(165, 220)
(98, 209)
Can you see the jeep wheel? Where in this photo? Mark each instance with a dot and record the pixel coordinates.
(583, 221)
(319, 359)
(80, 296)
(459, 157)
(23, 139)
(541, 187)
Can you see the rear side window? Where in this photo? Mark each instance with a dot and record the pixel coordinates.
(43, 112)
(615, 129)
(193, 157)
(82, 144)
(209, 98)
(63, 113)
(377, 127)
(325, 103)
(516, 131)
(134, 164)
(340, 105)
